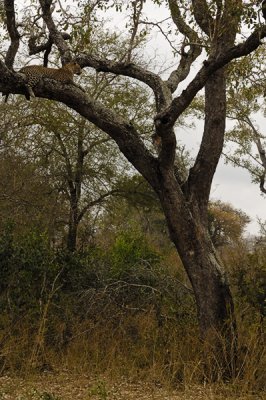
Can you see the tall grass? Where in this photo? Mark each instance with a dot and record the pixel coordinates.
(121, 312)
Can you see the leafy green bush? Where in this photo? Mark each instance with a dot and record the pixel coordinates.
(27, 271)
(129, 251)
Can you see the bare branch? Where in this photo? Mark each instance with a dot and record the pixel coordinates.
(67, 161)
(97, 201)
(13, 33)
(187, 58)
(257, 140)
(245, 119)
(160, 89)
(56, 36)
(261, 152)
(137, 9)
(157, 24)
(35, 48)
(179, 104)
(262, 183)
(46, 47)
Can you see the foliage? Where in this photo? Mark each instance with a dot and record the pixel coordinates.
(226, 224)
(247, 273)
(28, 269)
(128, 251)
(246, 105)
(27, 197)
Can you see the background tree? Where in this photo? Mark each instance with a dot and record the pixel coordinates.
(27, 197)
(75, 158)
(246, 109)
(226, 224)
(200, 24)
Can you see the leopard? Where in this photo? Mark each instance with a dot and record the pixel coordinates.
(35, 73)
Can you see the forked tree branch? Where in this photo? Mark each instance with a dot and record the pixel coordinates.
(46, 47)
(191, 39)
(169, 116)
(159, 87)
(56, 36)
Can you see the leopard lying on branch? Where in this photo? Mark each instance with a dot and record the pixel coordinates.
(34, 73)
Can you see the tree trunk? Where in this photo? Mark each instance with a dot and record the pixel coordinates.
(73, 223)
(72, 235)
(186, 211)
(213, 298)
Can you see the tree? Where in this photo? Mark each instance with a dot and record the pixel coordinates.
(70, 154)
(200, 24)
(226, 224)
(246, 99)
(27, 198)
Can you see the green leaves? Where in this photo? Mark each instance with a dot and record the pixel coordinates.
(245, 107)
(129, 251)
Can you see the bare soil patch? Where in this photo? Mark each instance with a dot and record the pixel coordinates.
(66, 386)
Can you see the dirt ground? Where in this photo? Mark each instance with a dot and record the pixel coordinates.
(67, 386)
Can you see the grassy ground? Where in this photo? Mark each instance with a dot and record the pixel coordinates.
(66, 386)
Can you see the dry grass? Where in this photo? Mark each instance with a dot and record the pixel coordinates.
(167, 362)
(69, 386)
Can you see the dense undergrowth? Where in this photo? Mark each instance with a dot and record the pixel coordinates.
(119, 308)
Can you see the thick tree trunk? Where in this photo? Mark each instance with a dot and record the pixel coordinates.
(186, 210)
(213, 298)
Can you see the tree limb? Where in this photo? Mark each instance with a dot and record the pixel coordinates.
(94, 202)
(160, 89)
(67, 161)
(13, 33)
(123, 132)
(169, 116)
(187, 58)
(46, 47)
(258, 142)
(137, 9)
(56, 36)
(202, 16)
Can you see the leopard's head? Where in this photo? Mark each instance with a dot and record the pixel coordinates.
(75, 67)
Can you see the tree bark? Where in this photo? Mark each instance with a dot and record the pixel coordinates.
(72, 228)
(186, 211)
(215, 306)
